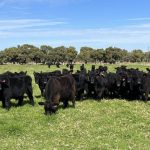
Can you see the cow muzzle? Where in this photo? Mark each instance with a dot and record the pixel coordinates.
(118, 85)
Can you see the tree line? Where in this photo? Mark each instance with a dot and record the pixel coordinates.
(26, 53)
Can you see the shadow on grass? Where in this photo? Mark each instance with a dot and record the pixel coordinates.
(15, 104)
(38, 96)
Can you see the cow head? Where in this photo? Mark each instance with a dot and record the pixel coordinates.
(118, 80)
(3, 84)
(129, 79)
(93, 67)
(137, 77)
(82, 68)
(83, 82)
(92, 77)
(44, 79)
(102, 69)
(50, 108)
(36, 77)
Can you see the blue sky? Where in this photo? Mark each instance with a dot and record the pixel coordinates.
(94, 23)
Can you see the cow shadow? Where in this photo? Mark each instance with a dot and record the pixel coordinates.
(15, 104)
(38, 96)
(23, 104)
(61, 106)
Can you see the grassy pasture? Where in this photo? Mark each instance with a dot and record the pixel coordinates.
(92, 125)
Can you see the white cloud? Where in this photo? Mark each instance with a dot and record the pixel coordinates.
(40, 30)
(27, 23)
(139, 19)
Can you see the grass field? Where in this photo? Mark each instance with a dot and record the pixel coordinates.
(92, 125)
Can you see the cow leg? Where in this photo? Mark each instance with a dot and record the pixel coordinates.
(145, 97)
(79, 96)
(65, 103)
(100, 94)
(73, 103)
(82, 96)
(140, 97)
(20, 101)
(73, 99)
(3, 104)
(30, 95)
(7, 103)
(31, 100)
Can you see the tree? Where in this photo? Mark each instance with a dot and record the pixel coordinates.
(30, 53)
(113, 54)
(46, 49)
(48, 53)
(85, 54)
(137, 55)
(37, 55)
(97, 55)
(147, 56)
(11, 54)
(60, 54)
(2, 57)
(71, 53)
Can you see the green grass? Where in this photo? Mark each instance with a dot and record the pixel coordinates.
(92, 125)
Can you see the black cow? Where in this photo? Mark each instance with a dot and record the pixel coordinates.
(102, 70)
(145, 86)
(100, 86)
(112, 88)
(58, 64)
(71, 68)
(15, 88)
(49, 64)
(135, 84)
(15, 74)
(67, 65)
(91, 83)
(42, 78)
(65, 72)
(83, 69)
(59, 88)
(81, 79)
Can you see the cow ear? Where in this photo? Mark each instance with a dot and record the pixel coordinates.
(145, 74)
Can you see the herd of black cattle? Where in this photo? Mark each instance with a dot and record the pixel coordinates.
(67, 86)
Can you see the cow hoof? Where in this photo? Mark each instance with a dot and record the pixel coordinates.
(7, 108)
